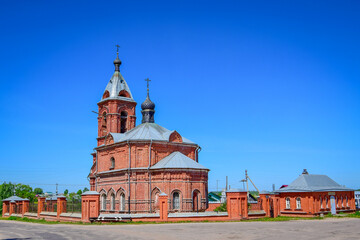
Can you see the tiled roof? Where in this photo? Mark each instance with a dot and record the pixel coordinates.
(178, 160)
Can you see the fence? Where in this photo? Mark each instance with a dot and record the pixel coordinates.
(33, 207)
(72, 206)
(49, 206)
(18, 209)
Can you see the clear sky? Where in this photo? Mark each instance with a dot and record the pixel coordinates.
(268, 86)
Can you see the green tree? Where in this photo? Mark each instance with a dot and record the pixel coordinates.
(85, 189)
(79, 192)
(66, 192)
(25, 191)
(38, 191)
(6, 190)
(21, 190)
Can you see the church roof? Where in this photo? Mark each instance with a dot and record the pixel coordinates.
(116, 84)
(146, 131)
(179, 161)
(313, 183)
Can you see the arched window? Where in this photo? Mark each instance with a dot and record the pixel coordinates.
(347, 202)
(106, 94)
(298, 203)
(321, 203)
(176, 200)
(104, 124)
(124, 93)
(122, 202)
(112, 201)
(342, 202)
(287, 201)
(112, 163)
(123, 121)
(103, 202)
(327, 202)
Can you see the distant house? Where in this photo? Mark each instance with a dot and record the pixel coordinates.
(312, 194)
(357, 199)
(214, 197)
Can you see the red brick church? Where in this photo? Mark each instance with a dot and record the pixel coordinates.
(132, 164)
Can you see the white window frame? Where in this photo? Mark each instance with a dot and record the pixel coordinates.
(321, 203)
(287, 203)
(122, 202)
(103, 201)
(112, 201)
(298, 203)
(176, 202)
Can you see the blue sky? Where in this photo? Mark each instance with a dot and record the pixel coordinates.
(268, 86)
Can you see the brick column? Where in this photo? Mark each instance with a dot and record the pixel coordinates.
(61, 206)
(237, 204)
(90, 205)
(5, 210)
(41, 201)
(276, 203)
(11, 207)
(163, 201)
(265, 198)
(25, 207)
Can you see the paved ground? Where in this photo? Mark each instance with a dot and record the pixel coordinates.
(345, 228)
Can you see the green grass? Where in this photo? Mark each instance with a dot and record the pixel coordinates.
(344, 215)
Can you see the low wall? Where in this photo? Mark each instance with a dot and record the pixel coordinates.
(212, 206)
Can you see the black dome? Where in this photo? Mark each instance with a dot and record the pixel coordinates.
(148, 104)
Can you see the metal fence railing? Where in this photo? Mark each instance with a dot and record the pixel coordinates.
(73, 206)
(33, 207)
(49, 207)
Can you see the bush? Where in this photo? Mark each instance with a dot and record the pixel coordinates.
(221, 208)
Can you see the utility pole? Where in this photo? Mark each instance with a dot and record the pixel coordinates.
(226, 188)
(57, 189)
(217, 185)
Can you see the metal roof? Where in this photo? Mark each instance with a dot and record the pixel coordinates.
(90, 193)
(15, 198)
(313, 183)
(116, 84)
(146, 131)
(178, 160)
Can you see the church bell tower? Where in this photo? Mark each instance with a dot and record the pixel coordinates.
(117, 106)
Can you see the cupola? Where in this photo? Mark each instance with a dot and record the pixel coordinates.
(148, 107)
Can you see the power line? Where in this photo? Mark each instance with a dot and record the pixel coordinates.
(48, 184)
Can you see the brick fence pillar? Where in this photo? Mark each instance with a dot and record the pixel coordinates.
(237, 204)
(265, 200)
(276, 204)
(90, 206)
(5, 209)
(25, 207)
(41, 202)
(163, 201)
(12, 207)
(61, 206)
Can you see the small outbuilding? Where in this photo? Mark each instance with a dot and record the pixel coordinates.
(311, 195)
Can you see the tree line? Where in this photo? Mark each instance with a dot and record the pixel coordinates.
(25, 191)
